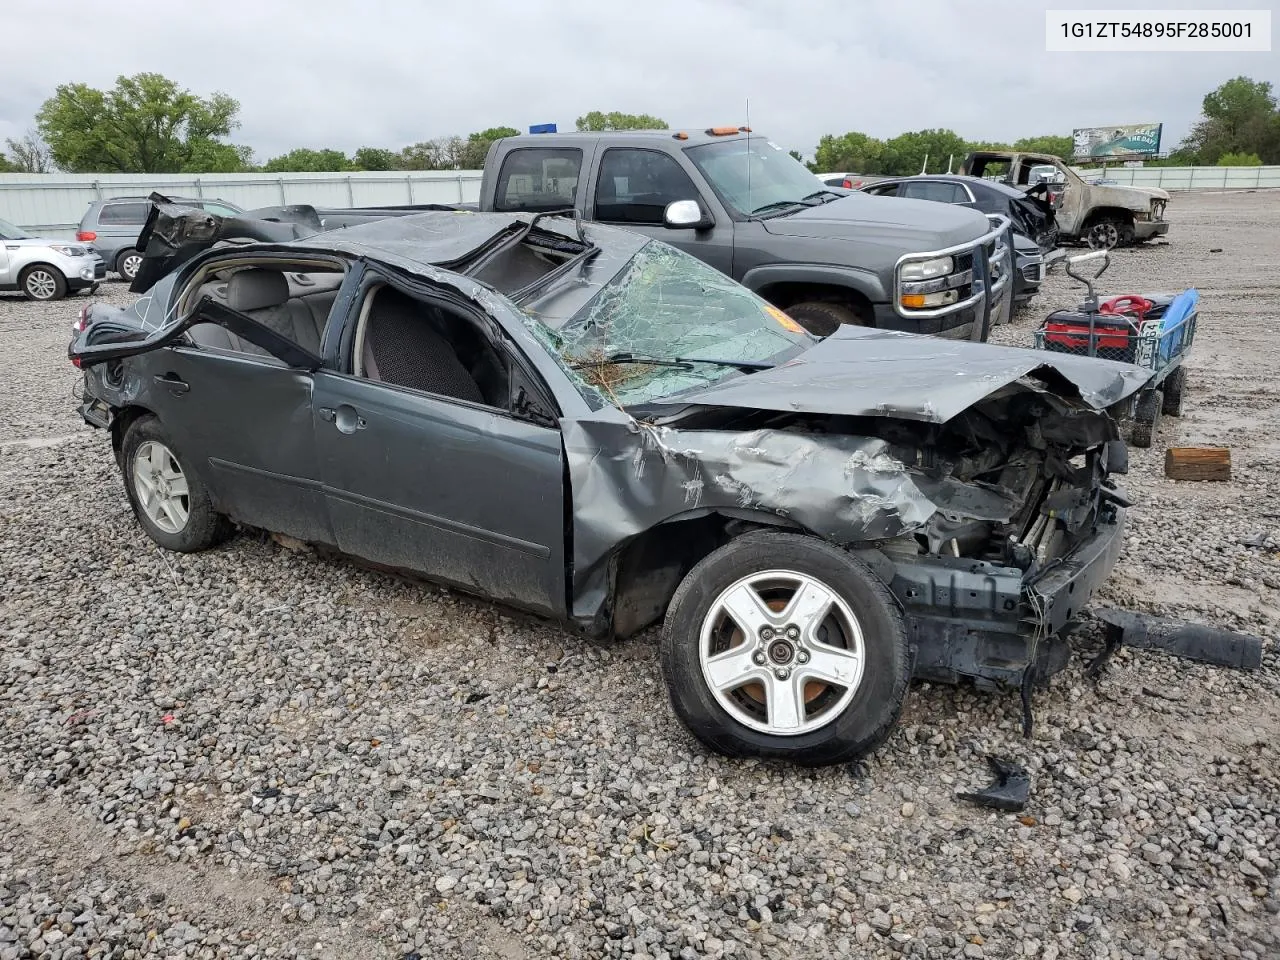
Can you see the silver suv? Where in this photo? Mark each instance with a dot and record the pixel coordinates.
(111, 228)
(45, 269)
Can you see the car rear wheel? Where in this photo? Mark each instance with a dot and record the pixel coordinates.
(780, 645)
(823, 319)
(39, 282)
(169, 500)
(128, 264)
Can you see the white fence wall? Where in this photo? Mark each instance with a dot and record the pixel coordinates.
(52, 204)
(1189, 178)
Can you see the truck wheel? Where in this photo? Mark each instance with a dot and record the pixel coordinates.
(1107, 233)
(783, 646)
(1174, 385)
(823, 319)
(1146, 418)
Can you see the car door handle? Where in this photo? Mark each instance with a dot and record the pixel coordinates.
(173, 384)
(345, 417)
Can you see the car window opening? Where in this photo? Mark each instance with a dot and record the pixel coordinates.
(294, 305)
(428, 347)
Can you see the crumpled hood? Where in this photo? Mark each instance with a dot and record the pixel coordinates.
(886, 373)
(920, 224)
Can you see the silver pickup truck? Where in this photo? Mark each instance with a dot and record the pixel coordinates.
(742, 204)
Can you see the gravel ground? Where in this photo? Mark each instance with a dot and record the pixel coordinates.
(258, 751)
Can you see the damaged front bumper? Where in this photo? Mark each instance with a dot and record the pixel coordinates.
(970, 619)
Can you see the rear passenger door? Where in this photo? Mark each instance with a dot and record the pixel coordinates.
(632, 188)
(244, 414)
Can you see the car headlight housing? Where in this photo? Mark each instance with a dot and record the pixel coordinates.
(67, 250)
(927, 269)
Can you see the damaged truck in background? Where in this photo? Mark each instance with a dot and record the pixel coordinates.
(591, 425)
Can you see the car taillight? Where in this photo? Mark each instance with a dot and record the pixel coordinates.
(82, 320)
(84, 236)
(847, 184)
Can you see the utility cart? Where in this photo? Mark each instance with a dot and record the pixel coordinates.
(1153, 331)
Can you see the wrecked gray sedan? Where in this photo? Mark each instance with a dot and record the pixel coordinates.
(590, 425)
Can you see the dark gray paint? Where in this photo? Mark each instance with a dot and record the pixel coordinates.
(475, 497)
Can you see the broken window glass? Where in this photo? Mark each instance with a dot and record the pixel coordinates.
(679, 314)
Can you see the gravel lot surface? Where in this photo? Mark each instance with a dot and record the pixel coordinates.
(257, 751)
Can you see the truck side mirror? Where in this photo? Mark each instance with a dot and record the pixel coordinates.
(686, 215)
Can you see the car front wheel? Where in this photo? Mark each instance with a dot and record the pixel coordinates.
(169, 500)
(783, 646)
(43, 283)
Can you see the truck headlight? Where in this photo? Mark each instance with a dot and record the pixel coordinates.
(927, 269)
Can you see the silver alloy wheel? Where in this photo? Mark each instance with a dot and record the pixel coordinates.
(781, 652)
(41, 284)
(161, 487)
(129, 265)
(1104, 235)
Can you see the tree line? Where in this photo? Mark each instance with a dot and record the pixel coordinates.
(148, 124)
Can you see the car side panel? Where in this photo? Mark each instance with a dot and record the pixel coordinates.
(245, 425)
(457, 492)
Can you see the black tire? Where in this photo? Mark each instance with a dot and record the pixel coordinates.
(1174, 386)
(1107, 233)
(823, 319)
(862, 724)
(42, 283)
(127, 264)
(1146, 418)
(204, 526)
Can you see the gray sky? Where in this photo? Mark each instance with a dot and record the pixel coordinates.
(349, 73)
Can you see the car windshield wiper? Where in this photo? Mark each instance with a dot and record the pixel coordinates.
(683, 363)
(830, 193)
(779, 205)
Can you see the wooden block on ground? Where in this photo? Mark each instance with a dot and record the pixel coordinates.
(1197, 463)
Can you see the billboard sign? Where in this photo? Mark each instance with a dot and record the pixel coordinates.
(1117, 141)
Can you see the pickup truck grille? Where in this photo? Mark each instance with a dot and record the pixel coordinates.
(977, 275)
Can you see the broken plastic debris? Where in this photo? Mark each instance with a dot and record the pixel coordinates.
(1008, 792)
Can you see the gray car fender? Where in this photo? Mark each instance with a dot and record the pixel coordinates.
(865, 282)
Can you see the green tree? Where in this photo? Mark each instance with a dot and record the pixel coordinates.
(29, 153)
(442, 153)
(7, 165)
(1063, 148)
(595, 120)
(851, 151)
(477, 145)
(1239, 160)
(375, 158)
(1240, 116)
(145, 124)
(907, 153)
(306, 160)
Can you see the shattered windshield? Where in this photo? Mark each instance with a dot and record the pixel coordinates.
(754, 175)
(667, 323)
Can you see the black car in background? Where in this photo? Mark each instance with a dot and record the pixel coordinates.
(1030, 211)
